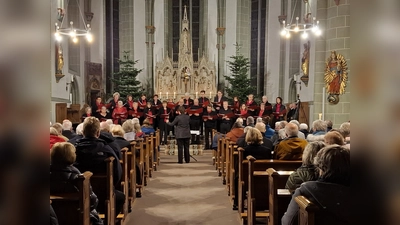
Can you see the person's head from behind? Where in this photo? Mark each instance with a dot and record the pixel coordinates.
(117, 131)
(127, 126)
(237, 125)
(58, 127)
(146, 122)
(333, 164)
(137, 128)
(259, 120)
(63, 154)
(250, 121)
(239, 121)
(319, 125)
(104, 126)
(91, 127)
(67, 125)
(260, 126)
(345, 127)
(310, 151)
(283, 123)
(303, 126)
(291, 130)
(329, 124)
(333, 137)
(295, 122)
(253, 136)
(53, 131)
(79, 129)
(135, 120)
(181, 110)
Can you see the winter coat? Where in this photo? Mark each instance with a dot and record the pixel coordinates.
(290, 149)
(62, 180)
(316, 136)
(234, 134)
(301, 175)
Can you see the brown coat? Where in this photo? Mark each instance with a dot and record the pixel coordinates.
(290, 149)
(234, 134)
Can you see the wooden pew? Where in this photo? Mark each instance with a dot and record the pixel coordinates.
(74, 208)
(229, 166)
(307, 211)
(150, 154)
(234, 155)
(141, 162)
(125, 181)
(132, 173)
(156, 150)
(219, 156)
(278, 202)
(214, 158)
(260, 181)
(103, 186)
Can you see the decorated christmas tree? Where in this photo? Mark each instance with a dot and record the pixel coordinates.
(125, 81)
(239, 81)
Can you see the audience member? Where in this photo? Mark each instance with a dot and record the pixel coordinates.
(67, 130)
(236, 131)
(269, 131)
(307, 170)
(275, 136)
(319, 131)
(147, 128)
(79, 134)
(105, 134)
(333, 137)
(129, 130)
(59, 129)
(91, 151)
(292, 147)
(300, 134)
(304, 128)
(266, 142)
(331, 192)
(329, 125)
(54, 137)
(138, 131)
(250, 121)
(63, 174)
(345, 127)
(118, 134)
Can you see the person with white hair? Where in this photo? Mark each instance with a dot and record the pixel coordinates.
(114, 102)
(67, 130)
(292, 147)
(300, 134)
(59, 129)
(187, 101)
(79, 134)
(303, 127)
(319, 131)
(119, 114)
(345, 128)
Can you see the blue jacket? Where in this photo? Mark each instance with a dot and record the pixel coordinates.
(269, 132)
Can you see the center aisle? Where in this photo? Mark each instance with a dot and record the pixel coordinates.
(184, 194)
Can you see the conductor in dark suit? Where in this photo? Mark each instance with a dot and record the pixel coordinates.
(182, 134)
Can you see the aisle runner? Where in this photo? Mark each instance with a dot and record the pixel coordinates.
(184, 194)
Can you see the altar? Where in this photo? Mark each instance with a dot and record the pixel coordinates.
(174, 79)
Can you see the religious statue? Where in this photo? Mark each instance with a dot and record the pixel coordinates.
(335, 75)
(60, 60)
(305, 60)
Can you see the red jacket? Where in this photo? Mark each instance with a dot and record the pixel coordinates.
(55, 139)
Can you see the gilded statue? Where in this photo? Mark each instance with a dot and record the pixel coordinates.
(60, 60)
(305, 60)
(335, 74)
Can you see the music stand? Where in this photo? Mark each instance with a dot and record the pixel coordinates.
(195, 132)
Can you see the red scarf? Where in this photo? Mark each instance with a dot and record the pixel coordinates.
(278, 108)
(260, 113)
(248, 102)
(243, 111)
(130, 104)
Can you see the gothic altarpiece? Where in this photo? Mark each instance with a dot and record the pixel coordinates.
(174, 79)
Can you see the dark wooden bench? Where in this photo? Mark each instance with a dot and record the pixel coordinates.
(74, 208)
(279, 197)
(307, 210)
(260, 180)
(124, 186)
(103, 186)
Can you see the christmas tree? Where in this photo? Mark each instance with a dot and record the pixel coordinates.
(239, 83)
(125, 81)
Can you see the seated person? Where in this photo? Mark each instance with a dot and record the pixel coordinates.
(128, 127)
(79, 134)
(67, 130)
(147, 128)
(333, 137)
(54, 137)
(331, 192)
(307, 170)
(292, 147)
(118, 133)
(138, 131)
(91, 151)
(63, 175)
(236, 131)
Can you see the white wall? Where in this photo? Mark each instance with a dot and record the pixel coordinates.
(212, 34)
(159, 23)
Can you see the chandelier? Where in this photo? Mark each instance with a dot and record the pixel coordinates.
(310, 23)
(71, 31)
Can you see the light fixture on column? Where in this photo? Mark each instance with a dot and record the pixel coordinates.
(310, 23)
(73, 32)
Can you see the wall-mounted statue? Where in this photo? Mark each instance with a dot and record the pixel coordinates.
(335, 76)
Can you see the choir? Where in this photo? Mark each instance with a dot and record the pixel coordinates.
(205, 114)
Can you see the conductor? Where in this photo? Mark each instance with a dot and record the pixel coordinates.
(182, 134)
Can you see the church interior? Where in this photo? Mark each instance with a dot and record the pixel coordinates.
(141, 65)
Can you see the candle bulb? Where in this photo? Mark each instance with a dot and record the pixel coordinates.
(320, 116)
(196, 94)
(174, 94)
(210, 96)
(167, 95)
(160, 95)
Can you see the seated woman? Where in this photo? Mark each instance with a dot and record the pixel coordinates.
(147, 128)
(138, 131)
(88, 113)
(118, 133)
(236, 131)
(129, 130)
(63, 174)
(307, 170)
(331, 192)
(55, 137)
(103, 115)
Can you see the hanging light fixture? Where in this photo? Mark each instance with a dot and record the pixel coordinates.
(310, 23)
(71, 31)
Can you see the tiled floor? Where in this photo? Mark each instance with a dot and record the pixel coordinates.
(184, 194)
